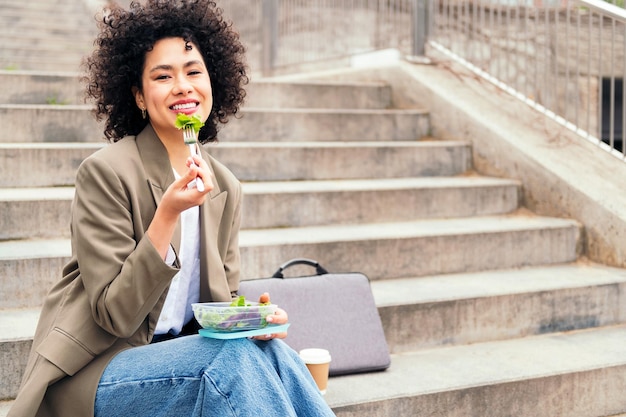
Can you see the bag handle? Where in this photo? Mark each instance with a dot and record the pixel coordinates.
(319, 270)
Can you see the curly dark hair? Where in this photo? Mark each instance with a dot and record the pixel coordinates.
(117, 63)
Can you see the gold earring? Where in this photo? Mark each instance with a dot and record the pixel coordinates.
(143, 113)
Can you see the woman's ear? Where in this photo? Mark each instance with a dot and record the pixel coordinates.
(139, 98)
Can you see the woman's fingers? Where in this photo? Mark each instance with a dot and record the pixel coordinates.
(279, 317)
(198, 168)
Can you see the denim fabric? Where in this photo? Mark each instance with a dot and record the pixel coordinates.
(196, 376)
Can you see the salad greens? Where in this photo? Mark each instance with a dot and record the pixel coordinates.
(183, 121)
(237, 315)
(240, 301)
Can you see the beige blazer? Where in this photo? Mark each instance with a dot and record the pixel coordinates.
(114, 286)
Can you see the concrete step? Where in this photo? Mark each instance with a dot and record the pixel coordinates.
(36, 87)
(35, 212)
(32, 36)
(382, 250)
(44, 212)
(42, 164)
(74, 123)
(269, 161)
(327, 124)
(55, 164)
(18, 329)
(50, 5)
(39, 87)
(49, 123)
(55, 60)
(487, 298)
(565, 374)
(330, 95)
(20, 41)
(53, 54)
(310, 203)
(416, 248)
(41, 21)
(454, 309)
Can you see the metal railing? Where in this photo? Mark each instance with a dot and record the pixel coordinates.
(565, 58)
(282, 34)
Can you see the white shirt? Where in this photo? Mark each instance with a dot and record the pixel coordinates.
(185, 286)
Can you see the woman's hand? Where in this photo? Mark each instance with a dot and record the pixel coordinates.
(279, 317)
(198, 167)
(178, 197)
(183, 193)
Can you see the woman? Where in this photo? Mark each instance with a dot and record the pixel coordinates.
(116, 335)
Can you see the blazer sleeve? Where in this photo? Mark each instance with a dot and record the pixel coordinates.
(122, 273)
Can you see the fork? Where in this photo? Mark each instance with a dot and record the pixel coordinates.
(191, 139)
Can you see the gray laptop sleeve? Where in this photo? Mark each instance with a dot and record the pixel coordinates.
(333, 311)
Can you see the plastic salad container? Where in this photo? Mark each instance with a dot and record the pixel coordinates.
(224, 317)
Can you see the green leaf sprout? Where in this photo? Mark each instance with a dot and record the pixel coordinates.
(183, 121)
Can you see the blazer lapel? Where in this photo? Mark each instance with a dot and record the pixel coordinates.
(158, 171)
(213, 283)
(160, 175)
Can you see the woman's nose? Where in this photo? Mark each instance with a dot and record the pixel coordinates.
(182, 86)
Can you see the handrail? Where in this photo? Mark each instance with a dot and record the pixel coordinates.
(572, 62)
(565, 58)
(285, 34)
(607, 9)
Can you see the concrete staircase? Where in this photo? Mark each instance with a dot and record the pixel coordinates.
(46, 35)
(488, 309)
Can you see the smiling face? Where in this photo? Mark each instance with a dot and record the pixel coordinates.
(175, 80)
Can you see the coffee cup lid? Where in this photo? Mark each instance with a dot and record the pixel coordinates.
(315, 355)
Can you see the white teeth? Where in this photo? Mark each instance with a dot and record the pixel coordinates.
(184, 106)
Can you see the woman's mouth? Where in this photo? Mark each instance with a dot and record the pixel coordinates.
(185, 107)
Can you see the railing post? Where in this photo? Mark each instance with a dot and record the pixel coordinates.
(419, 26)
(269, 31)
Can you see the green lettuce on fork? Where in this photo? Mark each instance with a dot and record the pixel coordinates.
(190, 125)
(185, 121)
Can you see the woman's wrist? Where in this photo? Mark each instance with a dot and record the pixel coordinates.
(161, 230)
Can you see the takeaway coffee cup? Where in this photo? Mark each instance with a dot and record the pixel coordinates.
(318, 362)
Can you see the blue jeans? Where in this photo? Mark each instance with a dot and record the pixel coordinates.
(197, 376)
